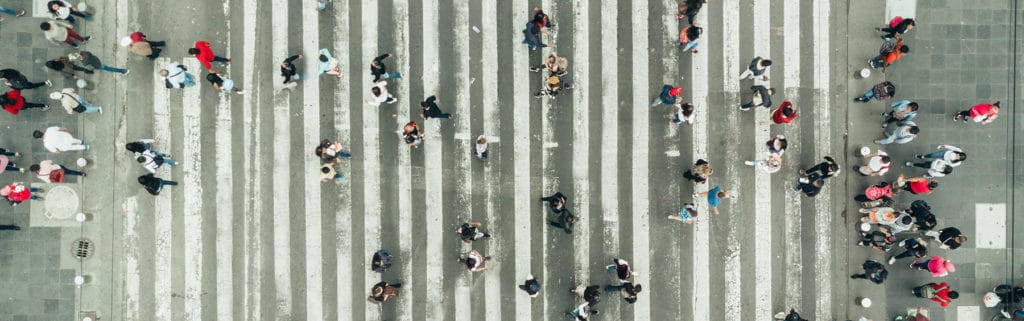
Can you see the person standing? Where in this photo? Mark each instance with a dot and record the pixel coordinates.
(430, 109)
(176, 76)
(937, 265)
(880, 91)
(689, 38)
(17, 192)
(873, 271)
(565, 221)
(66, 67)
(668, 95)
(13, 102)
(940, 293)
(715, 197)
(57, 139)
(784, 114)
(222, 84)
(201, 50)
(531, 286)
(950, 154)
(936, 168)
(762, 97)
(48, 172)
(327, 64)
(915, 247)
(379, 94)
(699, 172)
(327, 173)
(59, 31)
(74, 103)
(555, 201)
(139, 45)
(14, 79)
(379, 71)
(687, 214)
(758, 66)
(480, 149)
(981, 113)
(154, 184)
(90, 60)
(903, 134)
(289, 70)
(902, 111)
(950, 238)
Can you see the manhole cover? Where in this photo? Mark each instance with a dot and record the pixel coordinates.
(82, 248)
(61, 202)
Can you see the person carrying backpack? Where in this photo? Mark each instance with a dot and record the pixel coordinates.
(688, 38)
(940, 293)
(889, 53)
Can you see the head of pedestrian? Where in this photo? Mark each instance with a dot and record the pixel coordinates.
(953, 294)
(909, 23)
(164, 73)
(37, 134)
(637, 288)
(947, 170)
(481, 140)
(914, 130)
(140, 159)
(933, 184)
(375, 91)
(34, 168)
(323, 58)
(45, 26)
(324, 169)
(904, 48)
(766, 62)
(787, 111)
(995, 107)
(885, 159)
(722, 194)
(949, 266)
(912, 106)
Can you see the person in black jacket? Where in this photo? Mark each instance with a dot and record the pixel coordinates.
(154, 184)
(380, 71)
(565, 221)
(556, 201)
(288, 70)
(826, 169)
(531, 286)
(430, 109)
(627, 290)
(810, 185)
(873, 271)
(762, 97)
(950, 237)
(14, 79)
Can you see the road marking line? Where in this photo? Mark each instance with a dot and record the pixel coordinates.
(547, 172)
(581, 139)
(371, 157)
(521, 145)
(311, 163)
(432, 170)
(701, 237)
(225, 210)
(491, 118)
(131, 258)
(762, 180)
(822, 134)
(641, 144)
(282, 211)
(730, 46)
(164, 213)
(193, 189)
(793, 220)
(405, 227)
(462, 125)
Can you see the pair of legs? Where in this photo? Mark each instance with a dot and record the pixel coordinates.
(869, 95)
(921, 164)
(113, 69)
(7, 152)
(74, 146)
(443, 116)
(69, 171)
(89, 107)
(74, 39)
(33, 105)
(963, 115)
(690, 45)
(167, 158)
(391, 75)
(17, 13)
(156, 51)
(219, 59)
(919, 265)
(23, 84)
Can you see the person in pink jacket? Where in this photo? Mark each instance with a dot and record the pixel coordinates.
(937, 265)
(981, 113)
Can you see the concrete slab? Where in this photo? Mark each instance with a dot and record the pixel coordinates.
(903, 8)
(968, 312)
(990, 220)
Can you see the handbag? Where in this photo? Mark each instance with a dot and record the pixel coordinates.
(57, 176)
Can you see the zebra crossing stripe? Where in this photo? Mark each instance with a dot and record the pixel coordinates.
(521, 145)
(311, 164)
(343, 224)
(581, 139)
(282, 213)
(405, 227)
(641, 145)
(547, 170)
(794, 257)
(823, 222)
(225, 211)
(491, 118)
(163, 215)
(762, 180)
(730, 46)
(432, 170)
(610, 133)
(193, 189)
(371, 151)
(701, 300)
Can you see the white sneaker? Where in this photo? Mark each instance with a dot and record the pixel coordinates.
(240, 92)
(48, 83)
(892, 260)
(101, 110)
(127, 71)
(750, 163)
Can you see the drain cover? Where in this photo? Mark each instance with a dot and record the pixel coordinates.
(82, 248)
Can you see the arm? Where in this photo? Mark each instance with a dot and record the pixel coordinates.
(381, 57)
(950, 148)
(62, 24)
(292, 58)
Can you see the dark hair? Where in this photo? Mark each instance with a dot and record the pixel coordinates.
(962, 156)
(933, 184)
(912, 106)
(907, 219)
(637, 288)
(908, 22)
(996, 104)
(140, 159)
(319, 151)
(885, 158)
(34, 168)
(930, 220)
(193, 51)
(914, 130)
(947, 170)
(44, 26)
(787, 111)
(721, 194)
(326, 170)
(323, 58)
(4, 100)
(375, 91)
(37, 134)
(137, 147)
(688, 109)
(766, 62)
(470, 262)
(953, 295)
(904, 48)
(54, 64)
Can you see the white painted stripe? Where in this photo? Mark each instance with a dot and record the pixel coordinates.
(793, 220)
(581, 139)
(432, 167)
(343, 223)
(131, 258)
(822, 134)
(405, 229)
(670, 27)
(282, 212)
(990, 225)
(521, 145)
(641, 143)
(163, 215)
(225, 210)
(610, 130)
(762, 180)
(547, 184)
(730, 48)
(463, 308)
(371, 157)
(701, 238)
(193, 189)
(492, 119)
(311, 163)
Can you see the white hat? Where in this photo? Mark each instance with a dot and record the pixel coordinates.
(55, 95)
(126, 41)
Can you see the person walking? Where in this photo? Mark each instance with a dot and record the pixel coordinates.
(896, 28)
(328, 173)
(937, 266)
(201, 50)
(383, 291)
(627, 290)
(222, 84)
(903, 134)
(412, 134)
(772, 164)
(902, 111)
(57, 139)
(17, 192)
(480, 149)
(8, 152)
(555, 201)
(381, 261)
(950, 238)
(565, 221)
(154, 184)
(936, 168)
(176, 76)
(810, 185)
(699, 172)
(581, 312)
(14, 79)
(683, 114)
(689, 9)
(758, 66)
(826, 169)
(873, 271)
(715, 197)
(777, 145)
(762, 97)
(622, 270)
(687, 214)
(379, 94)
(474, 261)
(289, 70)
(139, 45)
(330, 151)
(471, 231)
(90, 60)
(152, 160)
(880, 240)
(784, 114)
(66, 67)
(689, 37)
(889, 53)
(327, 64)
(531, 36)
(916, 185)
(430, 109)
(74, 103)
(531, 286)
(791, 316)
(923, 217)
(555, 65)
(881, 91)
(379, 71)
(939, 293)
(7, 165)
(590, 294)
(915, 247)
(62, 10)
(952, 155)
(48, 172)
(60, 31)
(15, 13)
(13, 102)
(668, 95)
(876, 164)
(983, 113)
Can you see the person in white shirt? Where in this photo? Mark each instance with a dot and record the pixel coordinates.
(770, 165)
(952, 155)
(875, 164)
(74, 103)
(57, 139)
(152, 160)
(176, 76)
(379, 94)
(936, 168)
(481, 148)
(683, 114)
(48, 172)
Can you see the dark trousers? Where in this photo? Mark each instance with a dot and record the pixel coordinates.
(6, 152)
(156, 51)
(22, 84)
(923, 164)
(73, 35)
(69, 171)
(905, 254)
(220, 59)
(566, 227)
(33, 105)
(9, 227)
(442, 116)
(920, 266)
(964, 114)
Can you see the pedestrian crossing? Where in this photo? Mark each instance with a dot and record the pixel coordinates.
(253, 234)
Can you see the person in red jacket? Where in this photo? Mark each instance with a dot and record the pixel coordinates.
(940, 293)
(785, 114)
(17, 192)
(205, 55)
(981, 113)
(13, 102)
(916, 185)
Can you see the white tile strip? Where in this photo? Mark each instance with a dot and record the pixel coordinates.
(193, 189)
(822, 134)
(581, 139)
(343, 223)
(640, 152)
(432, 171)
(405, 211)
(701, 237)
(793, 221)
(521, 144)
(371, 154)
(990, 225)
(163, 215)
(491, 118)
(311, 164)
(762, 180)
